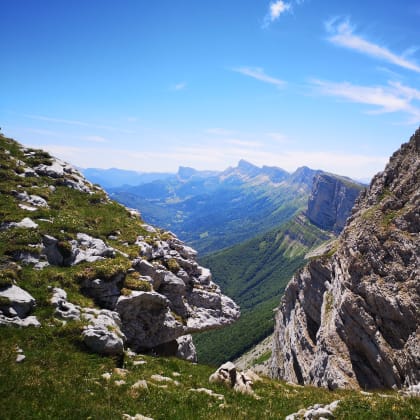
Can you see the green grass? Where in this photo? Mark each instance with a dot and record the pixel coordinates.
(59, 379)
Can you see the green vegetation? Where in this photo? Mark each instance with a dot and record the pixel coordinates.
(59, 379)
(255, 274)
(192, 209)
(173, 265)
(134, 281)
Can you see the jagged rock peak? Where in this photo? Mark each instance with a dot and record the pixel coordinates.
(351, 318)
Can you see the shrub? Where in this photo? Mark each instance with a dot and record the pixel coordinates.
(173, 265)
(134, 282)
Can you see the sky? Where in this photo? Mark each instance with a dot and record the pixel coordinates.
(154, 85)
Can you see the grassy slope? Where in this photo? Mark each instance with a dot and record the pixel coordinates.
(58, 379)
(255, 274)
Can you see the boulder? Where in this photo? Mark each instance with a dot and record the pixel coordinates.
(228, 375)
(147, 320)
(186, 349)
(19, 302)
(103, 334)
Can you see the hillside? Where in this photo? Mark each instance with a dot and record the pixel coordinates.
(214, 211)
(49, 356)
(68, 251)
(255, 273)
(355, 311)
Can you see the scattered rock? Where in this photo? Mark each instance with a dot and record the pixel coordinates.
(136, 417)
(141, 384)
(229, 376)
(16, 302)
(317, 411)
(208, 392)
(160, 378)
(20, 357)
(119, 382)
(411, 391)
(26, 223)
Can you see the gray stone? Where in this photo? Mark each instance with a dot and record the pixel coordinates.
(147, 320)
(19, 300)
(228, 375)
(351, 319)
(186, 349)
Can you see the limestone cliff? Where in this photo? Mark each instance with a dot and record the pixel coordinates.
(331, 201)
(351, 318)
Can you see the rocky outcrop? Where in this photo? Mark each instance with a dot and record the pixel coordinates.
(102, 334)
(228, 375)
(331, 201)
(15, 306)
(150, 290)
(351, 318)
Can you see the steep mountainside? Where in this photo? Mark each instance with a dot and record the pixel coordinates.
(66, 247)
(351, 318)
(331, 201)
(256, 272)
(213, 211)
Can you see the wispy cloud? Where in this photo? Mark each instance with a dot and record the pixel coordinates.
(245, 143)
(259, 74)
(278, 137)
(95, 139)
(393, 97)
(179, 86)
(275, 9)
(217, 131)
(75, 123)
(341, 33)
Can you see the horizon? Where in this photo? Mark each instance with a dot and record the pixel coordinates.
(152, 87)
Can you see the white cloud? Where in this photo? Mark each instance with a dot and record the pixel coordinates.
(393, 97)
(342, 34)
(277, 8)
(179, 86)
(259, 74)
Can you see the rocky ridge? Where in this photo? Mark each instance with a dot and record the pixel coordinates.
(150, 291)
(350, 318)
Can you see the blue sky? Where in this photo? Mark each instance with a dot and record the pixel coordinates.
(152, 85)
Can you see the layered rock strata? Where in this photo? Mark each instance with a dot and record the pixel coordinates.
(351, 318)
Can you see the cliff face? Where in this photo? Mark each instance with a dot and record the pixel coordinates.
(149, 289)
(331, 201)
(351, 318)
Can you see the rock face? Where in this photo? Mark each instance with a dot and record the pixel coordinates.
(331, 201)
(351, 319)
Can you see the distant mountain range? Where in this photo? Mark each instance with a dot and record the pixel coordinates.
(214, 210)
(253, 227)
